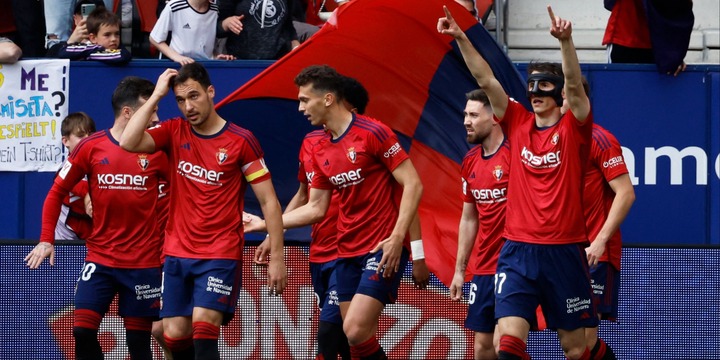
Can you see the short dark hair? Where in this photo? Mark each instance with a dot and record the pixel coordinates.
(193, 71)
(129, 91)
(101, 16)
(322, 78)
(478, 95)
(545, 67)
(77, 123)
(355, 93)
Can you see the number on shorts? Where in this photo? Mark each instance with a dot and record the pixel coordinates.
(471, 295)
(498, 284)
(87, 271)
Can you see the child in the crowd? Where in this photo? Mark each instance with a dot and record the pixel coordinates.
(94, 38)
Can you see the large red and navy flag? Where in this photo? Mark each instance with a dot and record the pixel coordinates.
(416, 78)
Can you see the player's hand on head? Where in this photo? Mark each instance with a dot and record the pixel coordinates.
(420, 274)
(392, 249)
(447, 25)
(560, 28)
(36, 256)
(162, 87)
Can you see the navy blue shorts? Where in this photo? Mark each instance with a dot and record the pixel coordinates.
(481, 301)
(358, 275)
(138, 290)
(605, 281)
(553, 276)
(210, 284)
(324, 281)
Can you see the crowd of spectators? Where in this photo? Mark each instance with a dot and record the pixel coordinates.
(181, 30)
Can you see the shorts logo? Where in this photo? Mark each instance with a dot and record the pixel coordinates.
(351, 155)
(143, 161)
(221, 156)
(555, 139)
(498, 172)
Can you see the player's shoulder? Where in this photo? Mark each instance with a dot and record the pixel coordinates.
(603, 138)
(315, 137)
(372, 127)
(90, 141)
(474, 152)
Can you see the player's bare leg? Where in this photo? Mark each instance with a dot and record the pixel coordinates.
(599, 350)
(360, 325)
(484, 346)
(177, 333)
(573, 344)
(514, 331)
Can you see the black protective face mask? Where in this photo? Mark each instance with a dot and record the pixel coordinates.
(534, 88)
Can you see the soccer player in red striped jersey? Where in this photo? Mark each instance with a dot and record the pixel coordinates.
(124, 248)
(543, 260)
(607, 199)
(363, 161)
(214, 161)
(485, 174)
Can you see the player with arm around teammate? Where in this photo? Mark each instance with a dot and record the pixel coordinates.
(123, 251)
(543, 260)
(214, 161)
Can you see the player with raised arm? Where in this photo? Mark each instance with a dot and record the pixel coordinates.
(485, 174)
(123, 251)
(363, 161)
(214, 161)
(543, 260)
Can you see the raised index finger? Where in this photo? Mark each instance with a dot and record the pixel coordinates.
(551, 13)
(448, 15)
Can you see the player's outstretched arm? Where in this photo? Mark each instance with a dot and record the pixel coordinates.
(477, 65)
(134, 138)
(624, 198)
(408, 178)
(277, 272)
(579, 103)
(466, 239)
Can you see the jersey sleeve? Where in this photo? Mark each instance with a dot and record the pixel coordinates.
(251, 157)
(513, 113)
(70, 174)
(386, 147)
(162, 133)
(607, 154)
(465, 173)
(303, 156)
(319, 180)
(161, 29)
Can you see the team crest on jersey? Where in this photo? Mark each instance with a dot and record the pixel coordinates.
(498, 172)
(221, 156)
(555, 138)
(351, 155)
(143, 161)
